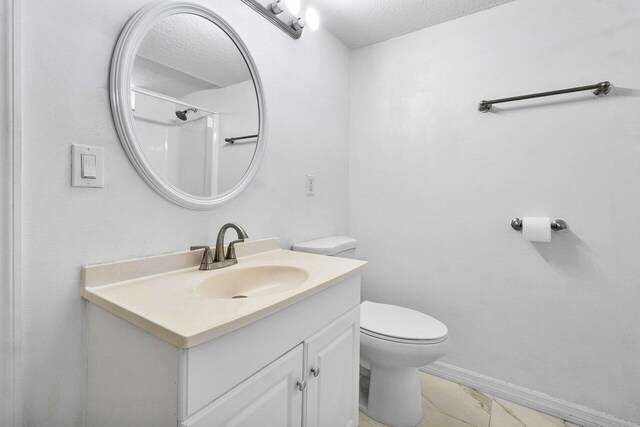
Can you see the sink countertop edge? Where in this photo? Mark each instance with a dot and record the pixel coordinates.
(135, 319)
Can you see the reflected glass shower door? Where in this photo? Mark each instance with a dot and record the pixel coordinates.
(184, 152)
(197, 161)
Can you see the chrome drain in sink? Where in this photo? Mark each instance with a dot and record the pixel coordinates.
(239, 296)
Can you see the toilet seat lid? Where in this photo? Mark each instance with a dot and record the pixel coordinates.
(399, 322)
(327, 245)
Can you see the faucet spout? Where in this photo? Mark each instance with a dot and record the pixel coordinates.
(231, 253)
(219, 260)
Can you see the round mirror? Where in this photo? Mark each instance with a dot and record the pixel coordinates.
(188, 104)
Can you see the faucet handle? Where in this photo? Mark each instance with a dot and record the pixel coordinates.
(231, 249)
(207, 256)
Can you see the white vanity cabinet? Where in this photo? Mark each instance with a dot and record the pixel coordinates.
(274, 395)
(257, 375)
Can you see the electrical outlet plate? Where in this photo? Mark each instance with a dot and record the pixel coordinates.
(311, 185)
(76, 166)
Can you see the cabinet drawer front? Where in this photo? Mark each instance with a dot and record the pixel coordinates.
(271, 397)
(333, 373)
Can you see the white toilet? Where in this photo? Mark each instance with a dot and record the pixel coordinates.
(394, 343)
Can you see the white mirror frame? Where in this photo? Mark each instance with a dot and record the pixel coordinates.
(121, 68)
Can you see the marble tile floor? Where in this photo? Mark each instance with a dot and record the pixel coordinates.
(447, 404)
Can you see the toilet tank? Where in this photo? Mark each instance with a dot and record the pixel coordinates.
(340, 246)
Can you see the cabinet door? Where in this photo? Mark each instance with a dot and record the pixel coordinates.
(332, 373)
(270, 398)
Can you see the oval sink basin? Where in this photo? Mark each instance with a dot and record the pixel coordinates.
(251, 282)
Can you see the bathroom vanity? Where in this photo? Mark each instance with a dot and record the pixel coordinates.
(271, 341)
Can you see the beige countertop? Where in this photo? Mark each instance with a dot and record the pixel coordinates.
(158, 294)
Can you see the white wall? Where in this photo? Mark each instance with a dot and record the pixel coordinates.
(434, 184)
(6, 303)
(8, 241)
(67, 52)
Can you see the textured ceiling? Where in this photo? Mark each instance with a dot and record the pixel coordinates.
(361, 22)
(195, 46)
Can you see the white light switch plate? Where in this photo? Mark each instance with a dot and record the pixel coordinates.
(76, 166)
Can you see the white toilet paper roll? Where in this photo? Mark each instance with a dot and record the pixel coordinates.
(536, 229)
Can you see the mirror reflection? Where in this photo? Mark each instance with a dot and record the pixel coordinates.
(194, 105)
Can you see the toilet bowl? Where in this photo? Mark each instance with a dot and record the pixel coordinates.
(394, 342)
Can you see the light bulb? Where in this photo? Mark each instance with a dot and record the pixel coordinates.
(312, 18)
(277, 7)
(292, 6)
(299, 24)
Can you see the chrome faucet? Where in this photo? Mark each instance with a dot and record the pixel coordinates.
(220, 260)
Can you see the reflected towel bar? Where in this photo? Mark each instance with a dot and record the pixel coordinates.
(238, 138)
(602, 88)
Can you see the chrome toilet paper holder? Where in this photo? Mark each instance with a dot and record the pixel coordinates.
(556, 224)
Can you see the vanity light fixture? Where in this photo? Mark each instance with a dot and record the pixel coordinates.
(284, 15)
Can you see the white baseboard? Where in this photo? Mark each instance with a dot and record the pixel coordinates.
(525, 397)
